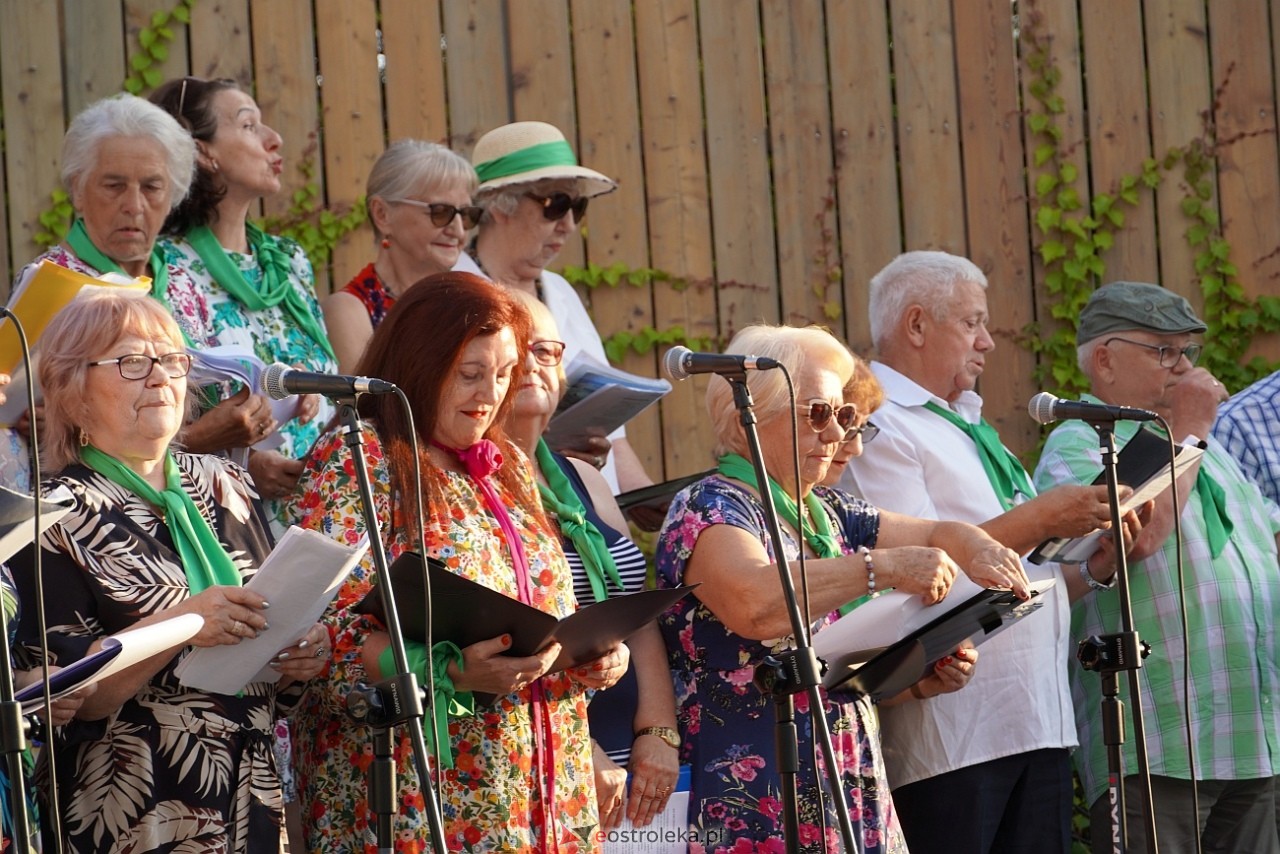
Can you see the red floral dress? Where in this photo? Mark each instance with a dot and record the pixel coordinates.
(493, 796)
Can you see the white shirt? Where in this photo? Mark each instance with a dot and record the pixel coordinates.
(1019, 699)
(576, 328)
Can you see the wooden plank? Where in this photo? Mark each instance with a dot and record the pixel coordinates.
(1059, 28)
(542, 79)
(351, 104)
(928, 129)
(33, 116)
(1179, 89)
(284, 60)
(609, 141)
(137, 15)
(414, 85)
(865, 163)
(93, 52)
(220, 43)
(1248, 176)
(803, 174)
(995, 208)
(675, 159)
(479, 78)
(1119, 132)
(737, 148)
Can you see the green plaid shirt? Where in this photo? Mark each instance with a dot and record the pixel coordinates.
(1233, 616)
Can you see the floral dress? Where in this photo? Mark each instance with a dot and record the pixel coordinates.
(174, 768)
(185, 301)
(10, 607)
(492, 796)
(727, 725)
(268, 333)
(372, 293)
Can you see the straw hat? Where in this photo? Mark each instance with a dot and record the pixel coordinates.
(524, 152)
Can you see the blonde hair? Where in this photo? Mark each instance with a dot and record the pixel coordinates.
(794, 347)
(77, 334)
(540, 315)
(863, 390)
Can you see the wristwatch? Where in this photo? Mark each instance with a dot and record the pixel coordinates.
(666, 733)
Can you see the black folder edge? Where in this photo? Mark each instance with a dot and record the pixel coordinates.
(658, 493)
(883, 673)
(466, 612)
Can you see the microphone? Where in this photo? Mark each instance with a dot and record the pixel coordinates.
(1046, 409)
(281, 381)
(680, 363)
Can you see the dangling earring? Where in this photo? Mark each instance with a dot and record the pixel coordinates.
(84, 438)
(386, 243)
(213, 166)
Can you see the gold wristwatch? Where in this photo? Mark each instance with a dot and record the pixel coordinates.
(666, 733)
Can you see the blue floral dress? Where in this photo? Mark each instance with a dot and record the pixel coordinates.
(727, 725)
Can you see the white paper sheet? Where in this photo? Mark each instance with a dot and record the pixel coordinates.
(299, 579)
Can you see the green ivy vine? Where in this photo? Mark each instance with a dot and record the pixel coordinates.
(153, 41)
(1075, 236)
(55, 220)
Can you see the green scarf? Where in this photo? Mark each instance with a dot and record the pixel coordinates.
(1213, 505)
(81, 244)
(1004, 470)
(276, 286)
(204, 560)
(562, 499)
(820, 538)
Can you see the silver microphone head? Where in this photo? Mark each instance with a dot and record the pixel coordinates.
(1040, 408)
(673, 363)
(273, 381)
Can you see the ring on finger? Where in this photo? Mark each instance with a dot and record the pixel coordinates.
(235, 627)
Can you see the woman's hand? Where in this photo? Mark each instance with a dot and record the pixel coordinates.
(655, 767)
(63, 709)
(307, 658)
(949, 674)
(611, 787)
(308, 407)
(274, 474)
(606, 670)
(237, 422)
(231, 614)
(487, 669)
(915, 569)
(999, 566)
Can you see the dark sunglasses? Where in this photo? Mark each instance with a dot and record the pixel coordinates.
(441, 214)
(820, 414)
(547, 353)
(556, 205)
(867, 431)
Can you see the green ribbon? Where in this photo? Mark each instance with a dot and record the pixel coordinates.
(204, 560)
(1213, 506)
(1004, 470)
(557, 153)
(276, 286)
(559, 496)
(449, 702)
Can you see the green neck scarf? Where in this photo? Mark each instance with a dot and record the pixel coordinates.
(204, 560)
(276, 286)
(820, 537)
(80, 243)
(1213, 505)
(1004, 470)
(561, 499)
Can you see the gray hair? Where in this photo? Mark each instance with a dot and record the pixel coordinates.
(925, 278)
(128, 116)
(794, 347)
(1084, 356)
(412, 166)
(506, 198)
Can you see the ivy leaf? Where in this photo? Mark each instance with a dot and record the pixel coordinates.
(1068, 173)
(1047, 218)
(1052, 250)
(1104, 240)
(1038, 122)
(1044, 152)
(1068, 199)
(182, 14)
(1045, 183)
(160, 52)
(152, 77)
(140, 61)
(146, 37)
(159, 18)
(1116, 216)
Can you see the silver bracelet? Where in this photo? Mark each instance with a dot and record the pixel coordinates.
(1093, 582)
(871, 571)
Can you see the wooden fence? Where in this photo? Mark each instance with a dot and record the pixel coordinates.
(773, 153)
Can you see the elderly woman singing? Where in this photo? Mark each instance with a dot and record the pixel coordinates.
(153, 532)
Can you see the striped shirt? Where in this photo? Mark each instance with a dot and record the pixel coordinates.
(1248, 426)
(1233, 615)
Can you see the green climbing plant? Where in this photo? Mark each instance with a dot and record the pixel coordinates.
(55, 220)
(316, 228)
(153, 47)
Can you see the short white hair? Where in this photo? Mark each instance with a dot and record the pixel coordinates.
(921, 277)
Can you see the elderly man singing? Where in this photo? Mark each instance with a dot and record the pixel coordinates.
(1137, 347)
(984, 769)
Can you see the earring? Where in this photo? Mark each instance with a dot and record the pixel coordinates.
(386, 243)
(84, 438)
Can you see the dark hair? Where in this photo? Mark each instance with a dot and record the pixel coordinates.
(417, 346)
(190, 101)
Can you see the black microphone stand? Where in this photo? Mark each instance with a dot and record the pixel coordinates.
(795, 671)
(1112, 653)
(397, 700)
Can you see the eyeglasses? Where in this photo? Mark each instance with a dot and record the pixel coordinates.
(556, 205)
(867, 431)
(547, 353)
(441, 214)
(1167, 353)
(820, 414)
(138, 366)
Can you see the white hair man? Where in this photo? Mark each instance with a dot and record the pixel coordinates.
(986, 768)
